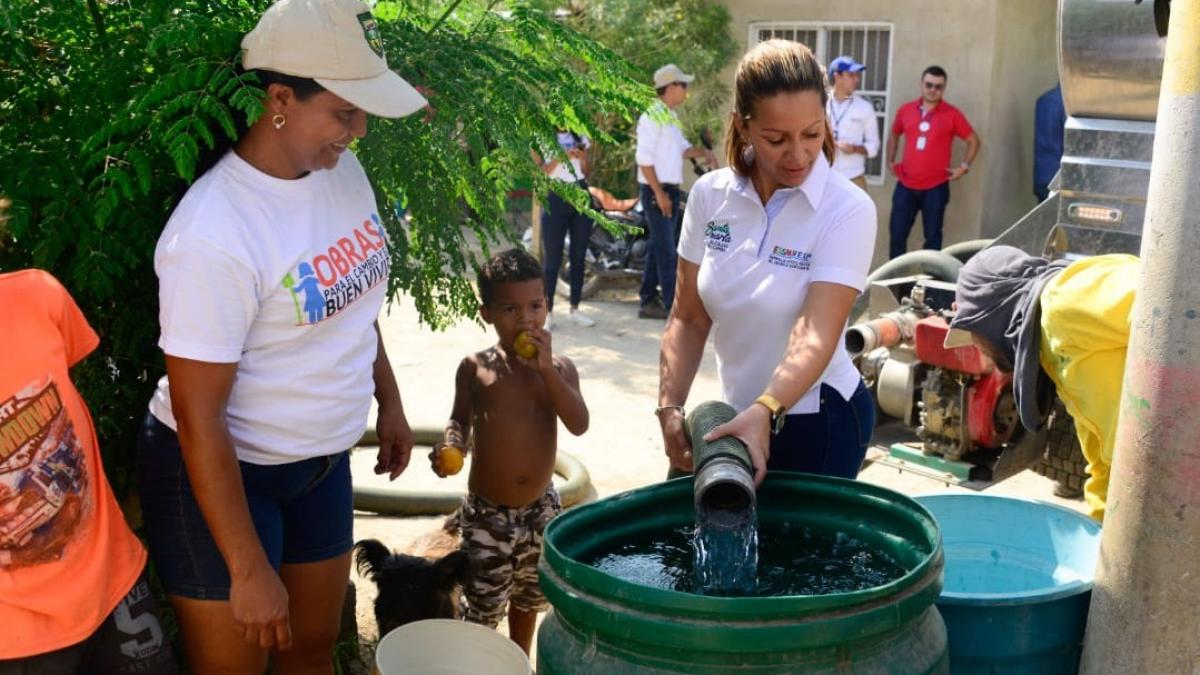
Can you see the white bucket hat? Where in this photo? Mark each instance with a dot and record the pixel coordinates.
(670, 74)
(337, 44)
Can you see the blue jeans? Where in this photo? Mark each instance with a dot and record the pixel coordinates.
(906, 202)
(832, 441)
(660, 259)
(559, 220)
(303, 512)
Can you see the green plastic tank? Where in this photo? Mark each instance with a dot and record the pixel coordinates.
(601, 624)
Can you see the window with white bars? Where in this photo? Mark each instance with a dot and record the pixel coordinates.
(869, 44)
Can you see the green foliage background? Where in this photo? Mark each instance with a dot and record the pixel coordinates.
(693, 34)
(107, 106)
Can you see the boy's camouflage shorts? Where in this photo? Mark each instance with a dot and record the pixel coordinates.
(504, 544)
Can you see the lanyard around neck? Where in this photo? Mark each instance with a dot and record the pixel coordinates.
(837, 119)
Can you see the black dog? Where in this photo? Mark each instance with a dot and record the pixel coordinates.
(412, 587)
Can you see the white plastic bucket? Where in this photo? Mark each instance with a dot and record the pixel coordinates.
(448, 647)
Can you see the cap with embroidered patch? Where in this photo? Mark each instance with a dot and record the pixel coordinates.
(337, 44)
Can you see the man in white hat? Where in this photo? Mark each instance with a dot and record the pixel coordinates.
(661, 150)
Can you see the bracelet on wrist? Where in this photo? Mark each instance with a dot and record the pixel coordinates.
(663, 408)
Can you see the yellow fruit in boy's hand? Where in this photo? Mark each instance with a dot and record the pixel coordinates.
(449, 460)
(525, 346)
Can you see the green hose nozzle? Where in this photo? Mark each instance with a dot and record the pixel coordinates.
(722, 476)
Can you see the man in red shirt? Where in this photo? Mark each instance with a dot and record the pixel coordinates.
(929, 126)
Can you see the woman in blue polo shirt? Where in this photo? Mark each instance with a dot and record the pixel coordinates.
(773, 253)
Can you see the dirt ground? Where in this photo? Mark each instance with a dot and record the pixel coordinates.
(618, 365)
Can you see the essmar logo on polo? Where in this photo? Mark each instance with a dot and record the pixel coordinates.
(790, 258)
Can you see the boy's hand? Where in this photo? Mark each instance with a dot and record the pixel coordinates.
(544, 360)
(433, 462)
(433, 457)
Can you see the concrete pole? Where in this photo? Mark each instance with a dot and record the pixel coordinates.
(1145, 613)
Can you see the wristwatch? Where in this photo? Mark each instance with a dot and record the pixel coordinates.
(778, 412)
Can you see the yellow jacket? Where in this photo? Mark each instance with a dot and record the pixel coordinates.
(1085, 333)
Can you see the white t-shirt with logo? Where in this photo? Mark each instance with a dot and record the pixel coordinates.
(755, 271)
(284, 278)
(563, 172)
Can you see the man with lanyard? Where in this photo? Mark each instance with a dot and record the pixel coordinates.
(929, 126)
(852, 118)
(661, 149)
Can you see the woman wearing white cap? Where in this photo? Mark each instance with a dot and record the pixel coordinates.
(272, 271)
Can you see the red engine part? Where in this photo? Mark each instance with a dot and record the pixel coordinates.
(929, 337)
(984, 396)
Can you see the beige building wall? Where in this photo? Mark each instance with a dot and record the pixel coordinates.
(1000, 56)
(1025, 65)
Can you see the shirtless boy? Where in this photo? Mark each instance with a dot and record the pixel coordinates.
(509, 406)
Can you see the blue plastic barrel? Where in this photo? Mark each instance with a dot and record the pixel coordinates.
(1018, 581)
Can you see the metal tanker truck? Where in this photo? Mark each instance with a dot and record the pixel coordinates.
(1110, 58)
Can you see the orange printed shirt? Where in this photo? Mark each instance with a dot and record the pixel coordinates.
(67, 557)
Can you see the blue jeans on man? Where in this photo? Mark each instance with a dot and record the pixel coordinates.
(906, 202)
(660, 259)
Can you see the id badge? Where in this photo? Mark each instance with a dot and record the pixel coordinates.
(920, 142)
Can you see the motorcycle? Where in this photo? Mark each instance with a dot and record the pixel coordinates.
(608, 256)
(612, 256)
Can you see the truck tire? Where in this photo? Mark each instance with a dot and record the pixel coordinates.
(1063, 461)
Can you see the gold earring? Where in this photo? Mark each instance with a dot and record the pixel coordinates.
(278, 120)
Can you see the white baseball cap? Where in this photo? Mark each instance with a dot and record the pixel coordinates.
(670, 74)
(337, 44)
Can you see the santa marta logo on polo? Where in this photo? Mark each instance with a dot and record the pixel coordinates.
(716, 236)
(335, 278)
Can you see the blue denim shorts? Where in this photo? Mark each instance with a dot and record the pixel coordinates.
(303, 511)
(832, 441)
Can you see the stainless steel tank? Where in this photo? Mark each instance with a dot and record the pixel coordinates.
(1110, 55)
